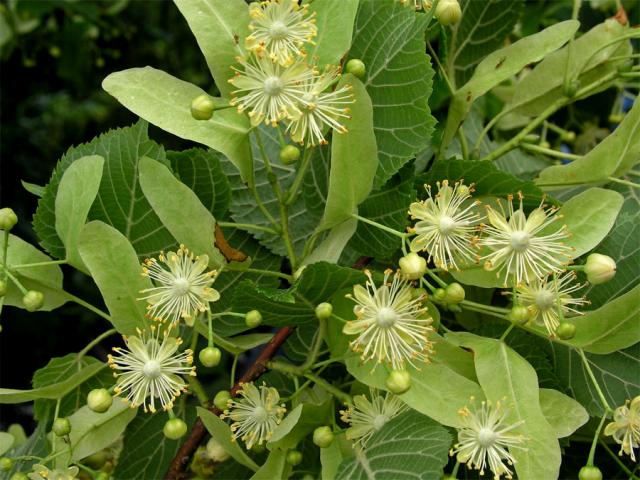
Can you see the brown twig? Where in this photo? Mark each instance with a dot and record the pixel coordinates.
(198, 431)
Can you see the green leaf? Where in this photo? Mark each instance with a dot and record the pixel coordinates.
(222, 433)
(59, 369)
(24, 453)
(563, 413)
(200, 170)
(274, 467)
(220, 27)
(174, 202)
(334, 19)
(91, 431)
(332, 246)
(332, 456)
(616, 373)
(165, 101)
(389, 39)
(349, 162)
(77, 191)
(504, 373)
(6, 442)
(146, 452)
(409, 446)
(124, 208)
(589, 216)
(613, 157)
(482, 29)
(502, 64)
(545, 84)
(612, 327)
(299, 423)
(114, 267)
(47, 279)
(387, 206)
(37, 190)
(53, 391)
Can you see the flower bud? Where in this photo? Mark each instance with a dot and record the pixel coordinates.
(590, 473)
(356, 67)
(545, 144)
(571, 89)
(174, 428)
(210, 356)
(439, 295)
(324, 311)
(99, 400)
(102, 476)
(289, 154)
(616, 118)
(519, 314)
(6, 464)
(215, 451)
(448, 12)
(398, 381)
(19, 476)
(323, 436)
(454, 293)
(599, 268)
(569, 136)
(3, 287)
(413, 266)
(566, 331)
(96, 460)
(8, 219)
(294, 457)
(61, 427)
(531, 138)
(221, 399)
(33, 300)
(253, 319)
(202, 107)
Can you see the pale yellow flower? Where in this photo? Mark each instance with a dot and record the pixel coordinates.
(625, 428)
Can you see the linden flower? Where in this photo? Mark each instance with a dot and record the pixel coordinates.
(182, 286)
(255, 415)
(625, 427)
(40, 472)
(150, 368)
(519, 247)
(391, 325)
(280, 28)
(366, 417)
(446, 225)
(320, 108)
(484, 437)
(270, 92)
(541, 298)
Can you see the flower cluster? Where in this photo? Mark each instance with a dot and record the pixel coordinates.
(276, 82)
(625, 428)
(392, 324)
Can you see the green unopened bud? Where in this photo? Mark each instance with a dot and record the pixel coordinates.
(590, 473)
(324, 311)
(99, 400)
(253, 318)
(294, 457)
(356, 67)
(531, 138)
(210, 356)
(439, 295)
(61, 427)
(96, 460)
(215, 451)
(19, 476)
(616, 118)
(102, 476)
(566, 330)
(6, 464)
(221, 399)
(599, 268)
(448, 12)
(33, 300)
(412, 266)
(8, 219)
(289, 154)
(398, 381)
(323, 436)
(454, 294)
(545, 144)
(3, 287)
(174, 428)
(202, 107)
(569, 136)
(519, 314)
(571, 89)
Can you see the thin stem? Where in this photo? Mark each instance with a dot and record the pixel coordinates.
(469, 303)
(261, 206)
(315, 348)
(14, 280)
(339, 394)
(199, 390)
(380, 226)
(40, 264)
(234, 366)
(621, 38)
(507, 331)
(248, 226)
(271, 273)
(548, 151)
(5, 247)
(616, 459)
(297, 182)
(440, 67)
(486, 312)
(592, 377)
(209, 329)
(623, 182)
(87, 305)
(55, 416)
(436, 278)
(94, 342)
(463, 144)
(286, 236)
(592, 451)
(574, 16)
